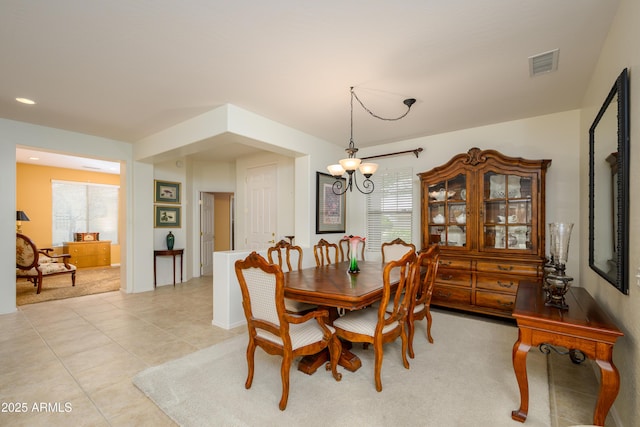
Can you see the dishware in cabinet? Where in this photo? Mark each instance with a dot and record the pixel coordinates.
(445, 212)
(507, 206)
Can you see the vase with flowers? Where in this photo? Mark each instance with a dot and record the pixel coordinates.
(354, 241)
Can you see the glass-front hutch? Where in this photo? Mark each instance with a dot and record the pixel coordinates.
(486, 211)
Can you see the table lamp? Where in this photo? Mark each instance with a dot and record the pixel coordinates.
(20, 216)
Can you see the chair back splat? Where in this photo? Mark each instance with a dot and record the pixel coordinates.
(274, 330)
(285, 251)
(322, 251)
(395, 249)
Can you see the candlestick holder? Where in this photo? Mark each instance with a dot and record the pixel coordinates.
(556, 282)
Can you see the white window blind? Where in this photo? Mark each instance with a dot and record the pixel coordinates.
(389, 208)
(80, 207)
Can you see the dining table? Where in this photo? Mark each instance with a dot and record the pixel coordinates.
(332, 287)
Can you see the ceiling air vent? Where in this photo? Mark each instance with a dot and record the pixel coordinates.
(543, 63)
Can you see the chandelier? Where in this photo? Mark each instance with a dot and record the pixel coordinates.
(351, 163)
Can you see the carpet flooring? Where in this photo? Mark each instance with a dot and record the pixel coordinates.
(464, 379)
(89, 281)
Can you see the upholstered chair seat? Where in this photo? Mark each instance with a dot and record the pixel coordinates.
(301, 335)
(363, 322)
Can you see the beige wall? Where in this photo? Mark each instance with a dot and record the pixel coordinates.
(619, 51)
(33, 196)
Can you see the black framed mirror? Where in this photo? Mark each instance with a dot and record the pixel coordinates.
(609, 187)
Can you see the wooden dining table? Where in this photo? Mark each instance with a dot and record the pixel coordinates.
(332, 287)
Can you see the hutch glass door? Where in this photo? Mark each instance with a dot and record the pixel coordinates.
(507, 206)
(447, 212)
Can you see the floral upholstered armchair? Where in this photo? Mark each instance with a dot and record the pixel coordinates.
(34, 264)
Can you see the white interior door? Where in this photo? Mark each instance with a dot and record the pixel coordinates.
(261, 208)
(206, 233)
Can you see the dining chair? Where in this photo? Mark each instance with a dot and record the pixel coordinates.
(345, 249)
(395, 249)
(322, 251)
(274, 330)
(420, 303)
(374, 325)
(34, 264)
(284, 250)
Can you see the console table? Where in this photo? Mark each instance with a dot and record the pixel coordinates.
(168, 252)
(584, 327)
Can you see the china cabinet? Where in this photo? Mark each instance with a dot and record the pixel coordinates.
(487, 212)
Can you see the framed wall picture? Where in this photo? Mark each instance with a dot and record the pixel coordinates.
(331, 209)
(167, 216)
(166, 192)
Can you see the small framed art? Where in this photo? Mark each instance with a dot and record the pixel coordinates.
(167, 216)
(167, 192)
(331, 208)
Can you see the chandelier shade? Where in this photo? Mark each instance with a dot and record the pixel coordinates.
(368, 169)
(350, 164)
(336, 170)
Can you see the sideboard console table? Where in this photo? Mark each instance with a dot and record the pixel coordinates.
(168, 252)
(95, 253)
(584, 327)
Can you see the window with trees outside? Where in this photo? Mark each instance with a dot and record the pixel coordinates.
(390, 208)
(79, 207)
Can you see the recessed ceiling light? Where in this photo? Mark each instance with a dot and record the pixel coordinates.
(34, 158)
(26, 101)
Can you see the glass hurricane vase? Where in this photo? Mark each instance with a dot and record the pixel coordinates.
(556, 282)
(354, 241)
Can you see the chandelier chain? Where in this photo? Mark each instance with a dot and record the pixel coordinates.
(352, 163)
(354, 95)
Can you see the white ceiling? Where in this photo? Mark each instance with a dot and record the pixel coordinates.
(41, 158)
(128, 69)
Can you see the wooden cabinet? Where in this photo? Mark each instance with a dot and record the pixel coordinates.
(89, 254)
(487, 213)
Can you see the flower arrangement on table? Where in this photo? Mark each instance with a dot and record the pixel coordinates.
(354, 241)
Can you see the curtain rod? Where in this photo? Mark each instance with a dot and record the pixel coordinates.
(417, 151)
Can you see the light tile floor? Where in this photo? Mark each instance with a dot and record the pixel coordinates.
(71, 362)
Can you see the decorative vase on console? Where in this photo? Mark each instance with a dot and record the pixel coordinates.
(170, 241)
(354, 241)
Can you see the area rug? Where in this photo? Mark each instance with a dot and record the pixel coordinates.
(464, 379)
(89, 281)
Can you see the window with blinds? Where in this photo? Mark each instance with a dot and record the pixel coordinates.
(80, 207)
(389, 208)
